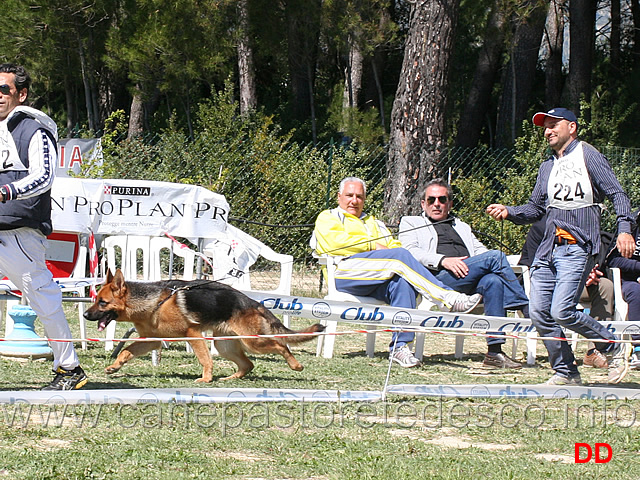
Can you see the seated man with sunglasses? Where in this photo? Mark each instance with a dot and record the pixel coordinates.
(447, 246)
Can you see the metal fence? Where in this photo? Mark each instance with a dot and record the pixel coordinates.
(276, 189)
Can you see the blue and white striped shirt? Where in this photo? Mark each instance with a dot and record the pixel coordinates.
(582, 223)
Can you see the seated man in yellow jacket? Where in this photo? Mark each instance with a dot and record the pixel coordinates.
(377, 266)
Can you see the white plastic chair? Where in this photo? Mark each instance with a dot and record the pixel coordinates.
(128, 247)
(621, 309)
(221, 254)
(326, 343)
(157, 272)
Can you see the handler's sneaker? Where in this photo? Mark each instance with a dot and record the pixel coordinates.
(403, 357)
(618, 363)
(465, 303)
(562, 380)
(67, 379)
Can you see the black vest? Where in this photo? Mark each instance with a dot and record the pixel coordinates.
(33, 212)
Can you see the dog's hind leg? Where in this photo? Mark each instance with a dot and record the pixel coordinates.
(232, 350)
(204, 357)
(134, 350)
(270, 345)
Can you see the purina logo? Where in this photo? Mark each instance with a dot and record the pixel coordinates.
(321, 310)
(123, 190)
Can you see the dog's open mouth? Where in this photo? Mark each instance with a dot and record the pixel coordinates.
(106, 320)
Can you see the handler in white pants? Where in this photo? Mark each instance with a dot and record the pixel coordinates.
(29, 153)
(29, 272)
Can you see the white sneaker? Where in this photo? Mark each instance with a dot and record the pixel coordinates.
(465, 303)
(404, 357)
(618, 363)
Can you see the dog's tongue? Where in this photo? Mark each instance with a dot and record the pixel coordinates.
(101, 325)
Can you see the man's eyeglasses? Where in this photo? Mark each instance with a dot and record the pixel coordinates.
(441, 199)
(5, 89)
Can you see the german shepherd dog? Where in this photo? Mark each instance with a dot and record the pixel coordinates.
(180, 308)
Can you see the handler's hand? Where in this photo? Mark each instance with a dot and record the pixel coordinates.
(594, 276)
(380, 246)
(626, 245)
(456, 266)
(497, 211)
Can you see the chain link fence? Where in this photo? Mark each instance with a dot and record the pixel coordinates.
(276, 188)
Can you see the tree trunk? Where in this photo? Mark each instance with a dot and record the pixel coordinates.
(352, 82)
(136, 117)
(635, 13)
(353, 76)
(554, 36)
(417, 119)
(615, 39)
(246, 69)
(582, 21)
(303, 27)
(520, 72)
(88, 97)
(479, 98)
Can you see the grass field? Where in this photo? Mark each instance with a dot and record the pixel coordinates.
(402, 437)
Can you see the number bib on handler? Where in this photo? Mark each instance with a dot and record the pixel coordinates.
(569, 184)
(9, 159)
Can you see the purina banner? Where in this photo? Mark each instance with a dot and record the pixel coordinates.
(136, 207)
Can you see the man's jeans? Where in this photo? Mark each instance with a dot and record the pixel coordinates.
(490, 275)
(556, 286)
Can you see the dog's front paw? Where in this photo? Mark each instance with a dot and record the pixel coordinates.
(111, 369)
(204, 380)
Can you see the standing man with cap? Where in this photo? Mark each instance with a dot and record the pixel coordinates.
(571, 185)
(28, 151)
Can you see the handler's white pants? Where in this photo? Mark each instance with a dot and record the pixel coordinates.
(22, 261)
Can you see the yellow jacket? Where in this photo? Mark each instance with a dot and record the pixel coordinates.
(340, 233)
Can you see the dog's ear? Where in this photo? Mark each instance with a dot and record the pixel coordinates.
(109, 277)
(118, 283)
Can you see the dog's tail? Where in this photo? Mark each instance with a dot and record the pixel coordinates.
(299, 336)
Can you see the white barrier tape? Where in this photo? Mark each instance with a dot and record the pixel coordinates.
(516, 391)
(184, 396)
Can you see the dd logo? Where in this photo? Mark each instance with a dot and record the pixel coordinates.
(598, 447)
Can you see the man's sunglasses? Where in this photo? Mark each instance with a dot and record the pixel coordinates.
(5, 89)
(442, 199)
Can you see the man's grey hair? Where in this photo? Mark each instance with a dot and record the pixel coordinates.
(351, 180)
(440, 182)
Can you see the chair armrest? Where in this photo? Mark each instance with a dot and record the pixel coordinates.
(620, 307)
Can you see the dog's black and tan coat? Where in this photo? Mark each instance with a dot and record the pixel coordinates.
(179, 308)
